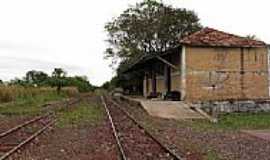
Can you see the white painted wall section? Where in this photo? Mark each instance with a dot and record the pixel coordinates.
(183, 73)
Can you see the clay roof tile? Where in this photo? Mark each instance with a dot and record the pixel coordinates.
(212, 37)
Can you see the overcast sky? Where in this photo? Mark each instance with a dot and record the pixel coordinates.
(44, 34)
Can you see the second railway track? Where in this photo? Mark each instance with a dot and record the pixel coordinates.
(133, 140)
(14, 139)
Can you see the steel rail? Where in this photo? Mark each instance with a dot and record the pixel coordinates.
(120, 147)
(18, 127)
(28, 140)
(168, 150)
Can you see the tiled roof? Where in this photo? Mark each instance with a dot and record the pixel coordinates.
(215, 38)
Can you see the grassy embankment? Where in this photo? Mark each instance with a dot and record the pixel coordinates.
(15, 100)
(237, 121)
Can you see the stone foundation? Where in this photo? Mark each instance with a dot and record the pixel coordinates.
(234, 107)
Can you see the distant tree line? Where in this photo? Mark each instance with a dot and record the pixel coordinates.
(57, 79)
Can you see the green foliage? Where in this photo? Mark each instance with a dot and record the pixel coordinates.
(237, 121)
(30, 104)
(252, 37)
(128, 80)
(1, 82)
(212, 155)
(59, 73)
(18, 82)
(81, 82)
(107, 85)
(58, 79)
(83, 113)
(148, 27)
(36, 77)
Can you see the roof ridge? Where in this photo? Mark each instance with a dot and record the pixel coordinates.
(213, 37)
(232, 34)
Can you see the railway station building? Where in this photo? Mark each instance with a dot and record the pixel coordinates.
(209, 65)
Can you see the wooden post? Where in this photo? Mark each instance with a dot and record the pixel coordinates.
(146, 87)
(167, 77)
(154, 82)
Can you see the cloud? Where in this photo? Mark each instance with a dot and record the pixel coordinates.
(11, 66)
(5, 45)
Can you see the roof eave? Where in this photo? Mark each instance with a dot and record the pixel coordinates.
(225, 46)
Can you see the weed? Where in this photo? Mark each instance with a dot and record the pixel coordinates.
(82, 114)
(212, 155)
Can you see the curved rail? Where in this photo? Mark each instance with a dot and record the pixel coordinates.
(165, 148)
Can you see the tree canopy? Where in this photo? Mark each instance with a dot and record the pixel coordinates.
(148, 27)
(36, 77)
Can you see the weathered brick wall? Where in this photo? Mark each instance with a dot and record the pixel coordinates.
(215, 73)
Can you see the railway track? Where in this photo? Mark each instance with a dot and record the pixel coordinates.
(14, 139)
(133, 140)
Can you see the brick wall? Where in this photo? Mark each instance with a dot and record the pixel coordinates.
(215, 73)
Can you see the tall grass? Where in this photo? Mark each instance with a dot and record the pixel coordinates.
(14, 93)
(17, 100)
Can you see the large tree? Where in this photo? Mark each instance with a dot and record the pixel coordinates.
(36, 77)
(148, 27)
(58, 79)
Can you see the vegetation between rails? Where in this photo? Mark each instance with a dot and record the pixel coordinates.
(84, 113)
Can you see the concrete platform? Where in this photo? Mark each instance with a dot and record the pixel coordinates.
(168, 109)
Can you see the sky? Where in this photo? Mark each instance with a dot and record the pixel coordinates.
(42, 35)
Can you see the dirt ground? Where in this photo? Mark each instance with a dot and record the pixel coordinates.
(95, 141)
(7, 122)
(86, 141)
(81, 142)
(205, 144)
